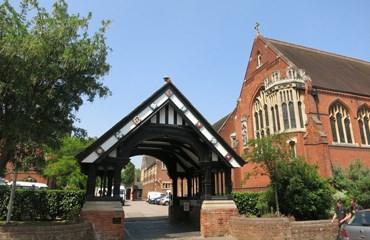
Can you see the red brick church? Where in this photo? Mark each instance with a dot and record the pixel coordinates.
(322, 99)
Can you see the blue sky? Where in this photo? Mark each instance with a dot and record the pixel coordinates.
(204, 45)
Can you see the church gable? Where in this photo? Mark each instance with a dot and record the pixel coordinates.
(262, 57)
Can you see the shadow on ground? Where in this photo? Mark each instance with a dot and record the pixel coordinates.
(158, 228)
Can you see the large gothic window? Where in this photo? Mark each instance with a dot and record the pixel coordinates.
(278, 111)
(363, 116)
(340, 124)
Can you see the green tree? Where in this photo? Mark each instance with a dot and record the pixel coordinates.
(305, 195)
(128, 175)
(267, 152)
(137, 175)
(49, 64)
(62, 166)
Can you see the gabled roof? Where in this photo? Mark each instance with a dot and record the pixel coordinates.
(219, 124)
(328, 70)
(168, 93)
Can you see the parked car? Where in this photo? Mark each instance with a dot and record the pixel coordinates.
(152, 195)
(3, 182)
(159, 199)
(358, 227)
(156, 200)
(28, 185)
(165, 200)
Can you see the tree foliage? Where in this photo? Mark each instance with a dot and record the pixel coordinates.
(128, 175)
(354, 182)
(49, 63)
(302, 192)
(137, 175)
(62, 166)
(267, 153)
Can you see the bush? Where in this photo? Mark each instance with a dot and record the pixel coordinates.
(302, 192)
(42, 204)
(246, 202)
(353, 182)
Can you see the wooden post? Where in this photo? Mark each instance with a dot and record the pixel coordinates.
(91, 181)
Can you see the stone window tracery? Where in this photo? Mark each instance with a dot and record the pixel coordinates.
(278, 111)
(363, 116)
(340, 124)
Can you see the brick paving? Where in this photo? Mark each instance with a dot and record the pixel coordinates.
(148, 221)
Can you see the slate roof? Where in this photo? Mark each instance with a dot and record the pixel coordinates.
(328, 70)
(217, 125)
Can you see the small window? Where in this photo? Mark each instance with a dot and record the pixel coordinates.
(291, 73)
(275, 76)
(259, 59)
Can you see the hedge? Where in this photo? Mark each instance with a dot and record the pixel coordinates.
(42, 204)
(246, 202)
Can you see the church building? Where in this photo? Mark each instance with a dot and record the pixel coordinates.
(321, 99)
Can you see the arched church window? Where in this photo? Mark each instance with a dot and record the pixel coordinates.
(300, 114)
(292, 115)
(340, 123)
(334, 129)
(363, 116)
(277, 117)
(285, 115)
(347, 127)
(273, 118)
(256, 120)
(261, 119)
(277, 111)
(266, 115)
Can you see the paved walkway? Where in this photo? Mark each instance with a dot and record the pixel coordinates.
(148, 221)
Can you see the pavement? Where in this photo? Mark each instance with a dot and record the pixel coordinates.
(149, 221)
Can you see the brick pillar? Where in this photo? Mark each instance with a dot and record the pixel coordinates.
(106, 218)
(215, 217)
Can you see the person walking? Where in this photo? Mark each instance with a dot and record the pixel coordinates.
(353, 209)
(340, 213)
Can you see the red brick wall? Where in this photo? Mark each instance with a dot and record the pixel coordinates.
(103, 226)
(315, 144)
(215, 217)
(281, 229)
(154, 182)
(22, 176)
(79, 231)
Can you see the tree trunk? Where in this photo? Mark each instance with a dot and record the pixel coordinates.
(11, 200)
(277, 201)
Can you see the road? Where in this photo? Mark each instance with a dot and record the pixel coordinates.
(148, 221)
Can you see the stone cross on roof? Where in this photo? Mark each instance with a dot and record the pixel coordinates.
(257, 28)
